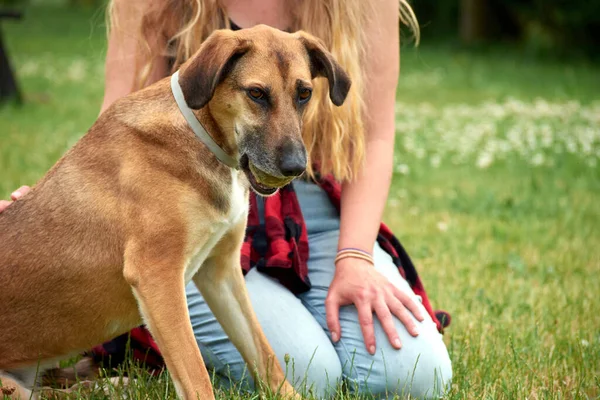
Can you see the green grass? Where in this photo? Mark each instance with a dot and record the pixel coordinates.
(496, 195)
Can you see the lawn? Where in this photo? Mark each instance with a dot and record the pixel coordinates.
(496, 194)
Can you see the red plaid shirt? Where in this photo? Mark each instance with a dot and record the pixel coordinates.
(278, 248)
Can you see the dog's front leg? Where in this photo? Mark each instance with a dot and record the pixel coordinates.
(157, 280)
(221, 282)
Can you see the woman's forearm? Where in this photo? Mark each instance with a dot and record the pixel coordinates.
(125, 51)
(363, 199)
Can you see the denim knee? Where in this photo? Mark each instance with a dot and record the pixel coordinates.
(423, 374)
(314, 370)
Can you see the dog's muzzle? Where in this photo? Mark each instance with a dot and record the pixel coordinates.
(261, 182)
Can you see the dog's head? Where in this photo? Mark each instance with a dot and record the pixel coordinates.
(257, 83)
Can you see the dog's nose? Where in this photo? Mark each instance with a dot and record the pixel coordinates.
(293, 160)
(293, 164)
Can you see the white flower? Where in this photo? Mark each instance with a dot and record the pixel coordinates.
(29, 68)
(76, 71)
(442, 226)
(402, 169)
(485, 160)
(538, 159)
(537, 132)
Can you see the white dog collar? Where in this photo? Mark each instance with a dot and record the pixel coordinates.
(197, 127)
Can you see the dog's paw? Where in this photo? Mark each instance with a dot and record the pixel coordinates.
(288, 392)
(10, 389)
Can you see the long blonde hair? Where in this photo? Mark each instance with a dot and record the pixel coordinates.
(334, 136)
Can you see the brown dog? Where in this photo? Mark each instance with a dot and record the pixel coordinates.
(140, 206)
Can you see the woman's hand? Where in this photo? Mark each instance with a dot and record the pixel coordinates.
(357, 282)
(17, 194)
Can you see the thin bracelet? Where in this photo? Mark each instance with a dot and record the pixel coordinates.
(345, 249)
(359, 256)
(354, 253)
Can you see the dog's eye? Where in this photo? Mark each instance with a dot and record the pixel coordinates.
(256, 94)
(304, 95)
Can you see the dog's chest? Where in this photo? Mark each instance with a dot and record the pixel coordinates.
(238, 211)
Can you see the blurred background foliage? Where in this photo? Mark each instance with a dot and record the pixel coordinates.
(555, 28)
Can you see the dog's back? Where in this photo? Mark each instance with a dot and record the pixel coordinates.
(63, 245)
(59, 247)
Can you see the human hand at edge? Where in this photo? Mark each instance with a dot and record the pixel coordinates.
(17, 194)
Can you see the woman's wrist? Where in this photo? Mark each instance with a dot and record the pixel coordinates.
(353, 252)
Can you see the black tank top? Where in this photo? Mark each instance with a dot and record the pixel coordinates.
(234, 26)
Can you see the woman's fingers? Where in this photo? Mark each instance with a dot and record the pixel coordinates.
(409, 303)
(400, 311)
(332, 314)
(382, 309)
(20, 192)
(16, 195)
(365, 319)
(4, 204)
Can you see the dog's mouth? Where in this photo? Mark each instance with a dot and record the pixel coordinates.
(251, 171)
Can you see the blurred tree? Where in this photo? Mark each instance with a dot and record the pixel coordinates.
(473, 20)
(11, 3)
(559, 27)
(8, 82)
(88, 3)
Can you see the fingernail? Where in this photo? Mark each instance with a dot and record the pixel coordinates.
(372, 349)
(16, 195)
(334, 337)
(415, 331)
(397, 343)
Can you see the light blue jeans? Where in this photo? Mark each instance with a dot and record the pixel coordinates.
(296, 326)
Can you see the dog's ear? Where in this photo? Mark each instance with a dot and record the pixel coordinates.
(322, 63)
(210, 66)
